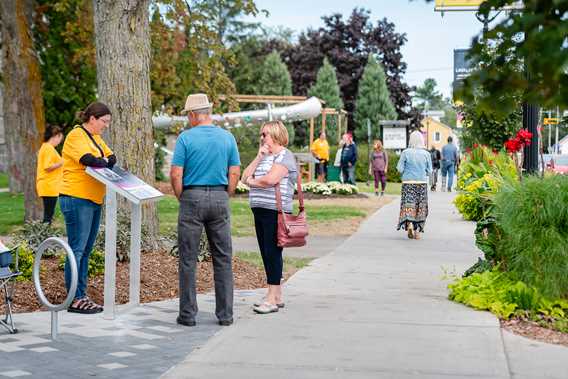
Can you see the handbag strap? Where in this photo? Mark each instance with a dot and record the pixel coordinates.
(300, 194)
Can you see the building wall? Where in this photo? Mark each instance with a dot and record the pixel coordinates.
(436, 133)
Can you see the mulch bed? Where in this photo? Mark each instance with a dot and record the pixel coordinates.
(158, 281)
(534, 331)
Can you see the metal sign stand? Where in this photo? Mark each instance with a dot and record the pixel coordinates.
(112, 188)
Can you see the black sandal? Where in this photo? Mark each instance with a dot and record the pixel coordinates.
(84, 306)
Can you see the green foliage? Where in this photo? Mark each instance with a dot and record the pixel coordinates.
(504, 296)
(123, 237)
(274, 78)
(488, 235)
(373, 100)
(326, 88)
(533, 215)
(33, 233)
(96, 263)
(429, 98)
(159, 154)
(204, 250)
(543, 25)
(26, 258)
(66, 58)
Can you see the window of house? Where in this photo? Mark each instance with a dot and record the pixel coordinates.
(437, 136)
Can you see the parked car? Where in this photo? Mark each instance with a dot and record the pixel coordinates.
(556, 163)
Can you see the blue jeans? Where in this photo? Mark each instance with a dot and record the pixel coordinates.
(449, 169)
(82, 219)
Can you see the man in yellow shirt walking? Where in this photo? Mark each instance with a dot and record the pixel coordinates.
(320, 150)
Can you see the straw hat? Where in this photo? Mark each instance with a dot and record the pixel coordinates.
(196, 102)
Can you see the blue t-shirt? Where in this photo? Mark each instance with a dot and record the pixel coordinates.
(450, 153)
(206, 152)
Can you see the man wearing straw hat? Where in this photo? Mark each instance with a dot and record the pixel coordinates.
(205, 171)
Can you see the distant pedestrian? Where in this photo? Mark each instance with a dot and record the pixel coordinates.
(348, 159)
(450, 159)
(379, 166)
(205, 171)
(414, 165)
(274, 165)
(436, 158)
(49, 171)
(320, 151)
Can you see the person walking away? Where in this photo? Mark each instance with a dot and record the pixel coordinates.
(348, 159)
(379, 165)
(82, 195)
(205, 171)
(436, 157)
(414, 166)
(49, 171)
(449, 162)
(273, 166)
(320, 151)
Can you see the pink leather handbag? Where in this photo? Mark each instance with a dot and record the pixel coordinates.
(292, 230)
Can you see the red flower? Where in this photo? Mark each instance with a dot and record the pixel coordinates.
(513, 145)
(468, 150)
(475, 146)
(524, 136)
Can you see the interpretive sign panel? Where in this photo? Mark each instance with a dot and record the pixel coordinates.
(125, 183)
(394, 137)
(468, 5)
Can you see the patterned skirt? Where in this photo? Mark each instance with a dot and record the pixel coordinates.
(413, 206)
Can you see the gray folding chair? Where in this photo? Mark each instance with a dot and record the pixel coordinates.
(8, 285)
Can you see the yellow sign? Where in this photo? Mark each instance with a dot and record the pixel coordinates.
(551, 121)
(468, 5)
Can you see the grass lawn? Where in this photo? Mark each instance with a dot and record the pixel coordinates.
(392, 188)
(3, 180)
(289, 262)
(12, 211)
(242, 223)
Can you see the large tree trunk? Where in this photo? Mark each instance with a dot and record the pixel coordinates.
(122, 36)
(24, 120)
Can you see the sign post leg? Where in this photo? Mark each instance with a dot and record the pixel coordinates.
(135, 237)
(110, 254)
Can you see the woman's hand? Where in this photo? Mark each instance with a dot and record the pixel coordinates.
(263, 150)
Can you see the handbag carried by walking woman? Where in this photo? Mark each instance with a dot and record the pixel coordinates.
(292, 229)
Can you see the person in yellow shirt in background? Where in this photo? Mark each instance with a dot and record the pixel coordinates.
(82, 195)
(320, 150)
(49, 172)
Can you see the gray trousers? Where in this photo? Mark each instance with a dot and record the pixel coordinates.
(209, 209)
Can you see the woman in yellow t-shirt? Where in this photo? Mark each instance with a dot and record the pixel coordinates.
(49, 172)
(82, 196)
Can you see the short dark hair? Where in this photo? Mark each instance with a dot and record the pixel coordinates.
(96, 109)
(450, 139)
(50, 131)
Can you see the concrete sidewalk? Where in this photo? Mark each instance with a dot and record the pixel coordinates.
(377, 308)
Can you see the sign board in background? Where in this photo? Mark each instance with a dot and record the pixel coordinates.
(551, 121)
(394, 137)
(462, 66)
(468, 5)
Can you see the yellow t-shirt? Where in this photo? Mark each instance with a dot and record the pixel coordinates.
(76, 182)
(48, 182)
(321, 149)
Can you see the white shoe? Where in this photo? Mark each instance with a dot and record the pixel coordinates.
(266, 308)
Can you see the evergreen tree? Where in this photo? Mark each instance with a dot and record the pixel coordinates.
(274, 79)
(373, 100)
(327, 89)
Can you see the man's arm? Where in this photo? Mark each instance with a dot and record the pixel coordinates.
(234, 175)
(176, 175)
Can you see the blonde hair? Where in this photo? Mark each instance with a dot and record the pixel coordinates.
(416, 141)
(378, 145)
(277, 131)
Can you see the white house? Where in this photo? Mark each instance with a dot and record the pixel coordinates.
(563, 145)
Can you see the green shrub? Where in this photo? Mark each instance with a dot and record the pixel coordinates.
(533, 216)
(26, 258)
(504, 296)
(33, 233)
(204, 250)
(159, 154)
(96, 263)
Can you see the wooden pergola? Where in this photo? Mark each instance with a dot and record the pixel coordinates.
(269, 99)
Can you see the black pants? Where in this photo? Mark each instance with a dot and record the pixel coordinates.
(49, 203)
(266, 225)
